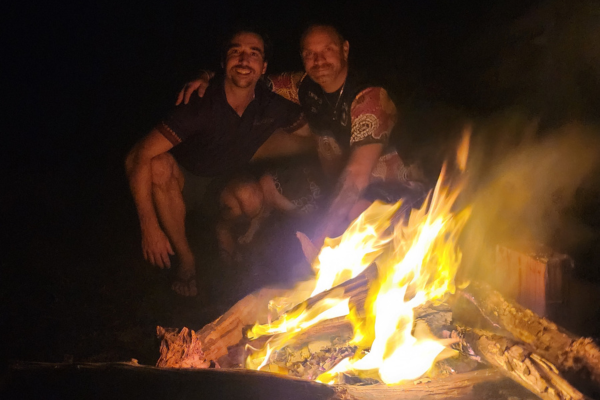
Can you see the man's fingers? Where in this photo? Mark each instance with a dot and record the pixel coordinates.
(170, 249)
(151, 258)
(188, 93)
(180, 96)
(159, 261)
(166, 261)
(201, 91)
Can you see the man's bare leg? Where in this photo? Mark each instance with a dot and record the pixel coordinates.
(167, 184)
(230, 210)
(240, 198)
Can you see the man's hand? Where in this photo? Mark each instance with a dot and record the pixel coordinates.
(156, 248)
(351, 184)
(199, 85)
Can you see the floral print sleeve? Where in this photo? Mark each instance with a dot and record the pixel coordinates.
(373, 117)
(286, 84)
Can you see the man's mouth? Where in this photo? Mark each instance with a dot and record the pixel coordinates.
(320, 70)
(242, 70)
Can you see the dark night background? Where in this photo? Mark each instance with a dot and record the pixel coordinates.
(83, 81)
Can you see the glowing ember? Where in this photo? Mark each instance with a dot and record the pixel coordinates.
(416, 263)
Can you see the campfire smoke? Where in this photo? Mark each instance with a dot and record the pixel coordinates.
(525, 190)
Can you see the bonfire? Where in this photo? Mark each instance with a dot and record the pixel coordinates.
(384, 309)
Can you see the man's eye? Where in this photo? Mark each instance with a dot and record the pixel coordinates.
(307, 54)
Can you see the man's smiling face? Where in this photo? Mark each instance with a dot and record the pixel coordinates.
(245, 59)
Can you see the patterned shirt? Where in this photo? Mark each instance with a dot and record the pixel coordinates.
(372, 118)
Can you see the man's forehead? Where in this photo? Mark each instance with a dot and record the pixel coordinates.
(248, 39)
(321, 34)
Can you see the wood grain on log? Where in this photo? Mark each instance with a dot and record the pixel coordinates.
(227, 330)
(565, 350)
(460, 386)
(519, 363)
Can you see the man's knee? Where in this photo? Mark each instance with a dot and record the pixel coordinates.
(230, 207)
(250, 197)
(163, 169)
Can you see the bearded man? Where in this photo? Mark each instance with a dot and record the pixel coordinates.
(352, 121)
(213, 136)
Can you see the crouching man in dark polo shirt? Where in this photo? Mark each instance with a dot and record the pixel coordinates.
(210, 137)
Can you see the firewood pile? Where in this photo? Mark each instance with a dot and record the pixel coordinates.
(483, 332)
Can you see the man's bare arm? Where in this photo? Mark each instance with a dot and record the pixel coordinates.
(285, 84)
(353, 181)
(198, 85)
(138, 164)
(367, 140)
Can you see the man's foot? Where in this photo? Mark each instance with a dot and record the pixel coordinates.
(185, 284)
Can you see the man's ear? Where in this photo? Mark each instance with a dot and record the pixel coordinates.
(264, 68)
(346, 49)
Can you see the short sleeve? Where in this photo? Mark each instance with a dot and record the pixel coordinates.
(286, 84)
(182, 122)
(294, 117)
(373, 117)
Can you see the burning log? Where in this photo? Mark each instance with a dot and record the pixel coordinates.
(520, 364)
(524, 363)
(356, 289)
(566, 351)
(480, 384)
(227, 330)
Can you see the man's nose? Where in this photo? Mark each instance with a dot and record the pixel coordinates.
(318, 58)
(243, 57)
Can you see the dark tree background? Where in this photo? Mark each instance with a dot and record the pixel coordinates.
(82, 81)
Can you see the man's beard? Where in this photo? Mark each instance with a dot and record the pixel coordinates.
(322, 72)
(242, 81)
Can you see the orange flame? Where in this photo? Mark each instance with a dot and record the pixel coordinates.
(417, 263)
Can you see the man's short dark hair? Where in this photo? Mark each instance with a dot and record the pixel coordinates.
(247, 29)
(325, 25)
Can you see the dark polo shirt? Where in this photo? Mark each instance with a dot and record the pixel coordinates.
(211, 139)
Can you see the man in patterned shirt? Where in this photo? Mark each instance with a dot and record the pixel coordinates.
(352, 121)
